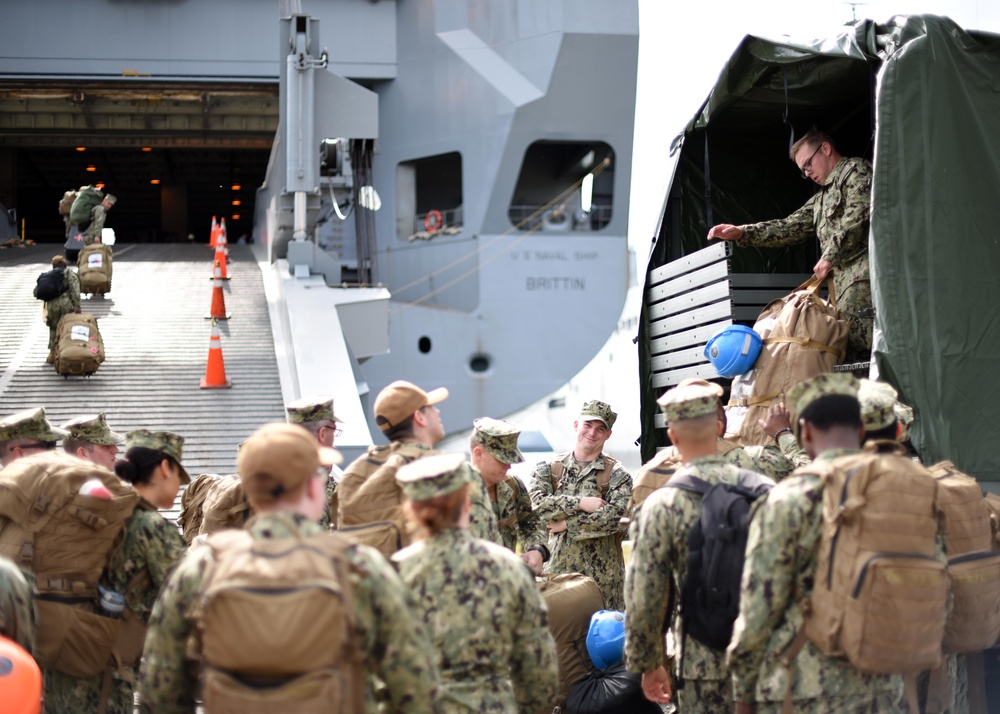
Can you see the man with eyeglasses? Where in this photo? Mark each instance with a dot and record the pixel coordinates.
(315, 415)
(838, 215)
(27, 433)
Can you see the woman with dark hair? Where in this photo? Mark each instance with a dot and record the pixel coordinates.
(64, 304)
(480, 604)
(151, 546)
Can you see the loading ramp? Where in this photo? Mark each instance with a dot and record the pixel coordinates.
(156, 342)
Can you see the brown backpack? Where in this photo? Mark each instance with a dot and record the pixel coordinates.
(804, 335)
(369, 502)
(65, 538)
(66, 202)
(274, 627)
(974, 620)
(571, 599)
(880, 596)
(79, 345)
(226, 505)
(94, 266)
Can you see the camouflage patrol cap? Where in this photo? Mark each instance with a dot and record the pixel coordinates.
(717, 388)
(601, 411)
(904, 415)
(111, 199)
(29, 424)
(434, 476)
(311, 409)
(809, 390)
(93, 429)
(689, 401)
(878, 400)
(280, 457)
(169, 443)
(499, 438)
(397, 402)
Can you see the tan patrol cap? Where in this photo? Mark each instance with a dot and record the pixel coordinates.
(280, 457)
(397, 402)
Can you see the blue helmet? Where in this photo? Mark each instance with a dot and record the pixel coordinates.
(606, 638)
(733, 350)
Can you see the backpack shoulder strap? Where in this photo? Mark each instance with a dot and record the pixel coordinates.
(557, 470)
(688, 482)
(604, 478)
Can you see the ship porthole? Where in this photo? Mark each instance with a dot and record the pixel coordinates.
(480, 363)
(424, 344)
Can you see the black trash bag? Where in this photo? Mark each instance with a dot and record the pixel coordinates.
(609, 691)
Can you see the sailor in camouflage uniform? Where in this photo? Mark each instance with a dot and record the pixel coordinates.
(659, 562)
(780, 569)
(278, 459)
(584, 528)
(98, 215)
(657, 471)
(484, 612)
(91, 439)
(26, 433)
(493, 448)
(838, 215)
(17, 617)
(316, 416)
(68, 302)
(150, 549)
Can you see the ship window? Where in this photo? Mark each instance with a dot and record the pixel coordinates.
(429, 196)
(564, 186)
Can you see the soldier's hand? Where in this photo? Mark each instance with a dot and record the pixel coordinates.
(656, 686)
(742, 708)
(77, 309)
(534, 560)
(777, 419)
(725, 231)
(557, 526)
(822, 268)
(589, 504)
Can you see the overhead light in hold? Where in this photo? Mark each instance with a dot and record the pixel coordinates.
(81, 148)
(236, 202)
(236, 187)
(368, 198)
(99, 186)
(587, 192)
(91, 168)
(155, 182)
(147, 148)
(236, 216)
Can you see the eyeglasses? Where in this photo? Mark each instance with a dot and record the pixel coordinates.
(807, 166)
(333, 427)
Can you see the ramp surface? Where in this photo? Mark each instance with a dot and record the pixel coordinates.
(156, 341)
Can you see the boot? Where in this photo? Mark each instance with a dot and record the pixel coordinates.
(51, 358)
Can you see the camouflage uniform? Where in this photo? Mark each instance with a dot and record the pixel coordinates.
(659, 564)
(482, 517)
(778, 574)
(838, 214)
(484, 613)
(305, 411)
(65, 304)
(17, 617)
(590, 544)
(97, 217)
(789, 446)
(392, 642)
(152, 546)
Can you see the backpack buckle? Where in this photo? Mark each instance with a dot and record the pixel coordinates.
(28, 552)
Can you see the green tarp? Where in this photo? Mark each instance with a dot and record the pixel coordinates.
(920, 97)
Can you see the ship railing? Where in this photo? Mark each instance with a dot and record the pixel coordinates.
(549, 219)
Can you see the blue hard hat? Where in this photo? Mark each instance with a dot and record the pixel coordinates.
(606, 638)
(733, 350)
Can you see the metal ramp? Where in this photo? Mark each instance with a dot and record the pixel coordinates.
(156, 341)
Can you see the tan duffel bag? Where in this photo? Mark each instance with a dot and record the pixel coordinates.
(804, 335)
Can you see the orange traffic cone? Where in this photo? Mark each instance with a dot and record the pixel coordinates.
(213, 236)
(215, 370)
(220, 260)
(218, 310)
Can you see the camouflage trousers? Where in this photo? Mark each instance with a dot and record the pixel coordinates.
(856, 303)
(861, 704)
(705, 696)
(82, 695)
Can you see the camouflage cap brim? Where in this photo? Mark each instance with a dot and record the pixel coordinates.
(29, 424)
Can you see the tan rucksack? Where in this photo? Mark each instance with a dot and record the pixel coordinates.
(880, 596)
(66, 202)
(65, 538)
(79, 345)
(274, 627)
(571, 599)
(193, 505)
(804, 335)
(94, 266)
(369, 502)
(226, 505)
(974, 621)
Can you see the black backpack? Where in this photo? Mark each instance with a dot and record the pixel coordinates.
(710, 592)
(50, 285)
